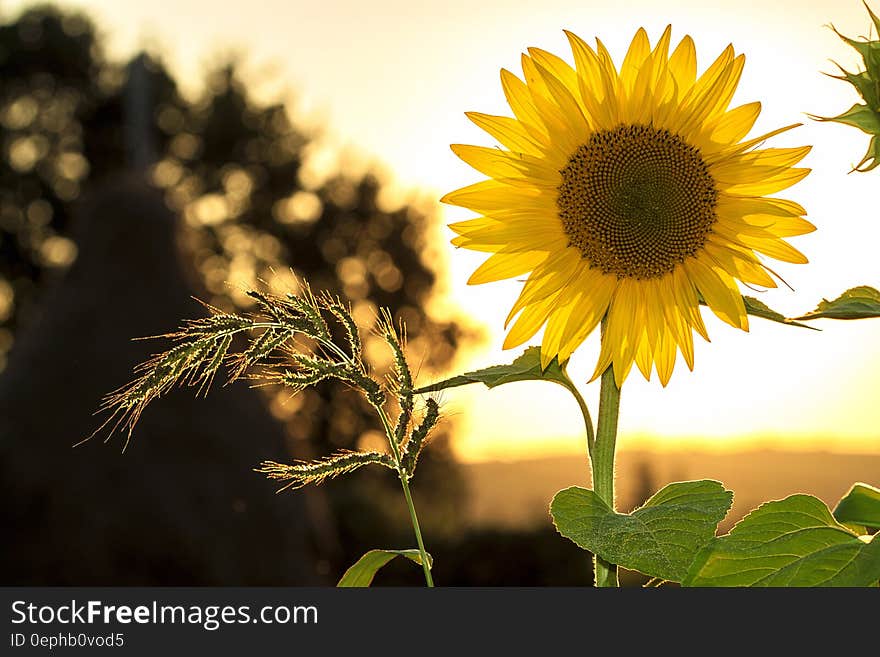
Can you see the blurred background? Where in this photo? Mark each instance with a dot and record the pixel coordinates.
(156, 152)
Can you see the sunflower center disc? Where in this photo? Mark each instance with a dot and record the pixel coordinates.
(637, 201)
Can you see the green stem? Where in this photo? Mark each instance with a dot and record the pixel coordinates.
(395, 451)
(603, 462)
(415, 524)
(401, 472)
(588, 420)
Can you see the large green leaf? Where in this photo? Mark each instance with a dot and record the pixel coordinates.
(860, 506)
(856, 303)
(525, 368)
(761, 309)
(791, 542)
(362, 572)
(659, 539)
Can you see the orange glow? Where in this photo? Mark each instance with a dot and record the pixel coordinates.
(421, 66)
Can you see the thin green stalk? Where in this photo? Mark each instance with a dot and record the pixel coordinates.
(395, 451)
(603, 462)
(415, 524)
(585, 412)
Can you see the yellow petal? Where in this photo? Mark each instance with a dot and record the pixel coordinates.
(506, 265)
(577, 126)
(757, 165)
(780, 226)
(509, 132)
(676, 320)
(665, 357)
(560, 141)
(768, 185)
(596, 291)
(625, 327)
(638, 52)
(744, 146)
(491, 195)
(520, 101)
(557, 67)
(688, 303)
(710, 96)
(683, 65)
(753, 205)
(728, 128)
(644, 358)
(739, 263)
(556, 324)
(528, 323)
(719, 291)
(554, 274)
(508, 166)
(775, 248)
(597, 90)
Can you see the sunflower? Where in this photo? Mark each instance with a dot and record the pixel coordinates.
(628, 196)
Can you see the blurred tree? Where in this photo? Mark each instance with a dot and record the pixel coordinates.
(235, 171)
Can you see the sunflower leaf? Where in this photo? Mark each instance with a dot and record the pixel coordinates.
(526, 367)
(860, 506)
(790, 542)
(364, 569)
(856, 303)
(761, 309)
(659, 539)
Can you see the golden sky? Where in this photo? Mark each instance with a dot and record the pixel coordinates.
(391, 79)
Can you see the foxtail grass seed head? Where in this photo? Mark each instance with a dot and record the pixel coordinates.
(299, 474)
(274, 354)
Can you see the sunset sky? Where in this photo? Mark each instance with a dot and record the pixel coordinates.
(390, 81)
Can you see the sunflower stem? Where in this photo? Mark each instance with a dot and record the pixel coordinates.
(602, 463)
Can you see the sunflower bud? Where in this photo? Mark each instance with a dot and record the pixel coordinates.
(864, 116)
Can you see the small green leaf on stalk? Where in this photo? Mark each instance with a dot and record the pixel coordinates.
(760, 309)
(860, 506)
(362, 572)
(856, 303)
(791, 542)
(525, 368)
(659, 539)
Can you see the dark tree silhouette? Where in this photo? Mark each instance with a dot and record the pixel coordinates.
(232, 170)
